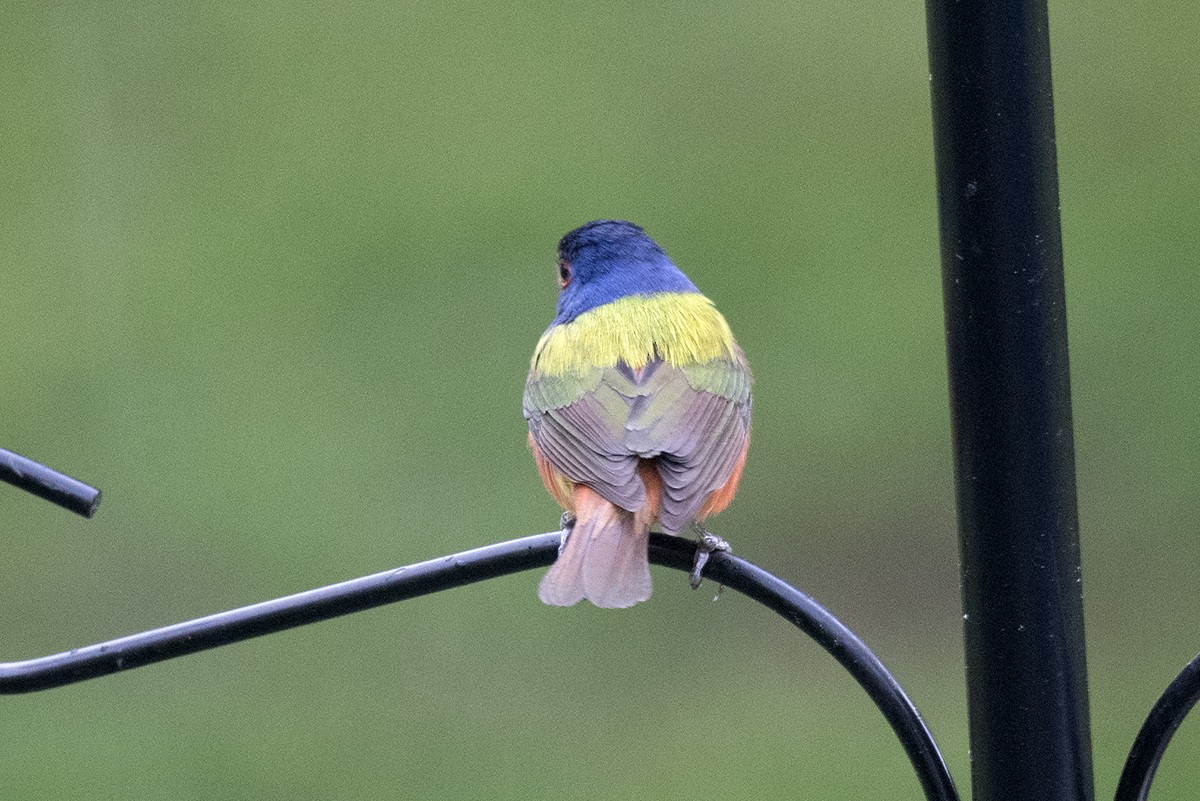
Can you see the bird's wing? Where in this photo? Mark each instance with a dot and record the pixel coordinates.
(696, 421)
(594, 426)
(577, 421)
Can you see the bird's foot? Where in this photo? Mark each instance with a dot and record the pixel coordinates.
(566, 523)
(708, 543)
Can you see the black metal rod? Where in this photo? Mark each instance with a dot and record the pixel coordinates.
(477, 565)
(1178, 699)
(49, 484)
(1006, 337)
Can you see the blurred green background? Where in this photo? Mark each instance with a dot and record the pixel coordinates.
(270, 275)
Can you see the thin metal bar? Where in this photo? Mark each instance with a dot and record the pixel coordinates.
(280, 614)
(1156, 733)
(477, 565)
(1006, 339)
(48, 483)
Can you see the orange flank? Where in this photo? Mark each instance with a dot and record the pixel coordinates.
(721, 496)
(556, 483)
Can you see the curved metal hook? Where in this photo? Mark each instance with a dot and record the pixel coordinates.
(47, 483)
(1148, 747)
(477, 565)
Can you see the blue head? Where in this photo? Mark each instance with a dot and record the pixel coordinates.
(608, 259)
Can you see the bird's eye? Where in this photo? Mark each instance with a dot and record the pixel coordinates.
(564, 273)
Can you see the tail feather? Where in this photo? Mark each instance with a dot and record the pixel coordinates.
(605, 558)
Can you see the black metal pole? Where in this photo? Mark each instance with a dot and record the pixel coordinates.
(1006, 340)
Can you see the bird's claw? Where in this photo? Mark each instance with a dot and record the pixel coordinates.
(566, 523)
(708, 543)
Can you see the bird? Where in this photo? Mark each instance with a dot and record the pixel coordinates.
(638, 407)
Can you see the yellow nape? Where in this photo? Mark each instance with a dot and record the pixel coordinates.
(681, 328)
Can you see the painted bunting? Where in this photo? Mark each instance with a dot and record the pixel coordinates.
(638, 402)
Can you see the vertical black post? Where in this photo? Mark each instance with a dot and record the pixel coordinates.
(1006, 335)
